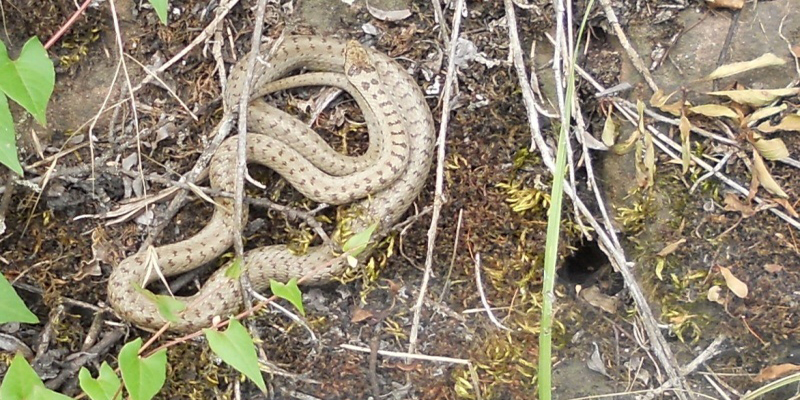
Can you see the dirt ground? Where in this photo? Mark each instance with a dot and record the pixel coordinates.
(59, 248)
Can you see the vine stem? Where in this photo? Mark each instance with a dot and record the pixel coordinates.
(61, 31)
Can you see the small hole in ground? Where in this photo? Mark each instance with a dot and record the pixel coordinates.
(588, 266)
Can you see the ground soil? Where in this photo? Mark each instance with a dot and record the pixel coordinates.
(496, 191)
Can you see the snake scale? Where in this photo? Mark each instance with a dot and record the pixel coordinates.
(381, 183)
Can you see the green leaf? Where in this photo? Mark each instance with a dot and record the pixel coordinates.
(22, 383)
(358, 242)
(161, 9)
(168, 306)
(14, 309)
(236, 348)
(289, 292)
(105, 387)
(8, 139)
(143, 377)
(234, 271)
(30, 79)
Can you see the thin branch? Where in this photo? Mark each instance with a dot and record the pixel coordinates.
(438, 197)
(623, 40)
(486, 307)
(408, 356)
(519, 66)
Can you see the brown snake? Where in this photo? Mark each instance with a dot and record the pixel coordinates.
(385, 180)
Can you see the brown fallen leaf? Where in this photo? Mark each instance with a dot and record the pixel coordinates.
(685, 128)
(361, 314)
(736, 286)
(764, 177)
(659, 100)
(732, 203)
(595, 297)
(773, 268)
(670, 248)
(776, 371)
(787, 206)
(408, 367)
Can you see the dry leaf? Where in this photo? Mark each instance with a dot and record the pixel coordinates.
(670, 248)
(753, 189)
(649, 158)
(714, 110)
(408, 367)
(766, 60)
(773, 268)
(732, 203)
(736, 286)
(761, 172)
(686, 147)
(776, 371)
(787, 206)
(771, 149)
(388, 15)
(796, 50)
(361, 314)
(730, 4)
(790, 122)
(674, 108)
(755, 97)
(765, 112)
(715, 294)
(640, 114)
(610, 131)
(626, 146)
(658, 99)
(600, 300)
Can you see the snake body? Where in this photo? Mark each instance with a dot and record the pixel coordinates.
(384, 181)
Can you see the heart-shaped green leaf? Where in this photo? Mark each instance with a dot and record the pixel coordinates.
(8, 139)
(105, 387)
(28, 80)
(289, 292)
(22, 383)
(143, 377)
(168, 306)
(236, 348)
(14, 309)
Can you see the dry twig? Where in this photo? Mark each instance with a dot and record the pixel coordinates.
(617, 258)
(438, 197)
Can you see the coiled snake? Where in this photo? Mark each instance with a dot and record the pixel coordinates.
(386, 179)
